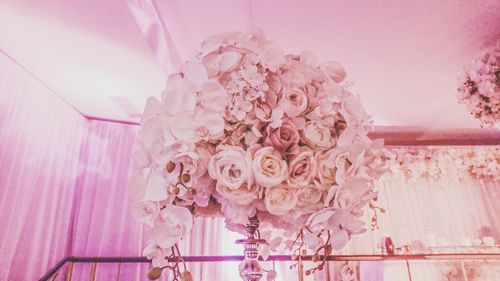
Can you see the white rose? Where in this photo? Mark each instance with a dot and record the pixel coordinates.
(280, 199)
(302, 169)
(308, 196)
(317, 136)
(309, 200)
(269, 167)
(294, 102)
(231, 166)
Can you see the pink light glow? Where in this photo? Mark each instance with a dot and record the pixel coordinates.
(403, 56)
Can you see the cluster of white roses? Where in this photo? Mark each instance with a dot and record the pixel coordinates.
(244, 130)
(480, 88)
(435, 162)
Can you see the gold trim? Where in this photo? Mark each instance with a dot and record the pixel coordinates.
(93, 271)
(69, 272)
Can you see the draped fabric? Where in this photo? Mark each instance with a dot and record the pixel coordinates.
(433, 213)
(103, 225)
(443, 211)
(39, 148)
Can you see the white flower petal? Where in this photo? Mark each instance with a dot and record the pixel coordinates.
(156, 187)
(339, 239)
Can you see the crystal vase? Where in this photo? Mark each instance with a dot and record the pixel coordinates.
(250, 269)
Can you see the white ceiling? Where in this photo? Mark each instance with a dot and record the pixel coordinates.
(404, 56)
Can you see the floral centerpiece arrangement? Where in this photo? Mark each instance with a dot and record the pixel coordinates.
(242, 131)
(479, 89)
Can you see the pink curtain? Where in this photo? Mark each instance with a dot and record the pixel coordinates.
(425, 209)
(103, 225)
(39, 148)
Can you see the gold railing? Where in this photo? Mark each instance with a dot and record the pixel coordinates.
(95, 261)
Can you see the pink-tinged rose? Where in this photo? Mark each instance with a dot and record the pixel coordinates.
(294, 102)
(317, 136)
(280, 200)
(309, 195)
(284, 138)
(269, 167)
(177, 222)
(302, 169)
(231, 166)
(334, 71)
(145, 211)
(243, 195)
(309, 200)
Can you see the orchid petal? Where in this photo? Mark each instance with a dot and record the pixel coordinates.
(156, 187)
(339, 239)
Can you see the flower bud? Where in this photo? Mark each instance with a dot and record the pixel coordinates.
(186, 276)
(170, 167)
(174, 189)
(186, 178)
(155, 273)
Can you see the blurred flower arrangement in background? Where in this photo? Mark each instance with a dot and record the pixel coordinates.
(435, 162)
(479, 88)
